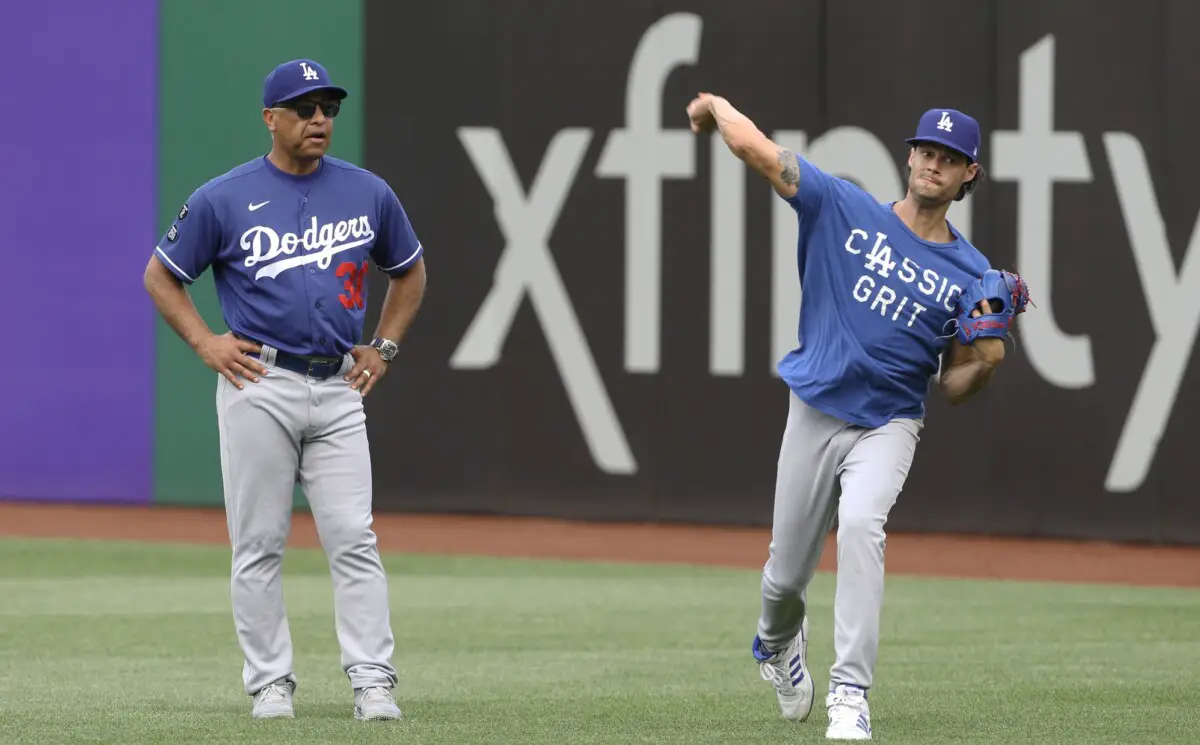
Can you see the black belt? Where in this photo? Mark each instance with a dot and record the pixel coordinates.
(318, 368)
(314, 367)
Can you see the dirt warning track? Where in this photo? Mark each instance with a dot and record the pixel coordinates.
(927, 555)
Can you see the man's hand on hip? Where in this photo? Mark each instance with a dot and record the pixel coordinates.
(368, 368)
(229, 356)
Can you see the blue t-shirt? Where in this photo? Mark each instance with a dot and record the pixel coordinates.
(876, 301)
(290, 254)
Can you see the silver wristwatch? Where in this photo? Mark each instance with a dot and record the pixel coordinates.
(387, 348)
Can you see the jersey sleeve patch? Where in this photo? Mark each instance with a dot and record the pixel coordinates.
(192, 242)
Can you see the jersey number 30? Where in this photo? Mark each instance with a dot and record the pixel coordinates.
(353, 297)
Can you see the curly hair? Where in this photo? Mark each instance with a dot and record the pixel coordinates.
(972, 185)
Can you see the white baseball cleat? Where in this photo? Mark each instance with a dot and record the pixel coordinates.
(849, 715)
(274, 701)
(788, 671)
(375, 703)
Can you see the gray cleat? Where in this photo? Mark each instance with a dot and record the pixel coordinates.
(375, 703)
(274, 701)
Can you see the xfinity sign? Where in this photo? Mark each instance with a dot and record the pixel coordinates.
(1035, 157)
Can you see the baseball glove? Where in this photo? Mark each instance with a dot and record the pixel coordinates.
(1007, 295)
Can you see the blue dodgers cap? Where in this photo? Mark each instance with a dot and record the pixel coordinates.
(951, 128)
(295, 78)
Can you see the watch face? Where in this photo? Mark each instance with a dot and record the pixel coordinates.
(387, 349)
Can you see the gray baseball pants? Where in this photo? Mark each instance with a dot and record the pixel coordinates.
(829, 468)
(288, 429)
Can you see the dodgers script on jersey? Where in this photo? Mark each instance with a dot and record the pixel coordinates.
(876, 301)
(290, 254)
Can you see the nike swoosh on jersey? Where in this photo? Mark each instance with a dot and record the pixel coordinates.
(256, 206)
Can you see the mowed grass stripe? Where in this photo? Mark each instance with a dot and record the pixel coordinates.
(134, 643)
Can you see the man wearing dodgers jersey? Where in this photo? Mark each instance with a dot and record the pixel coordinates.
(290, 237)
(881, 288)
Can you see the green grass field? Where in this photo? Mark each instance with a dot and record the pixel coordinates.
(125, 643)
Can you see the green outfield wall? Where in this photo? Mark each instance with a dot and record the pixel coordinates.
(213, 57)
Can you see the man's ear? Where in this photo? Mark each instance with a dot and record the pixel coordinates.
(269, 119)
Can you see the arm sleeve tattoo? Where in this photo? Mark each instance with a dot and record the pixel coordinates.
(791, 167)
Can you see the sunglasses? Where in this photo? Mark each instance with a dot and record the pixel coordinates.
(306, 109)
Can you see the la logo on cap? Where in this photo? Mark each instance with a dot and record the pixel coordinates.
(945, 123)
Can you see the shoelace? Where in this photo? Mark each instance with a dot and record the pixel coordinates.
(274, 692)
(776, 675)
(377, 694)
(846, 706)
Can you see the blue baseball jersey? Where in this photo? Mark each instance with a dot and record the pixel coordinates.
(290, 254)
(876, 301)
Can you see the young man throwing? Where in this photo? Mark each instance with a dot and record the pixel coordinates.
(893, 296)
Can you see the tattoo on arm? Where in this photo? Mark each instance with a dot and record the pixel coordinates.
(791, 167)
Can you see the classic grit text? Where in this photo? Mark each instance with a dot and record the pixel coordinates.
(881, 296)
